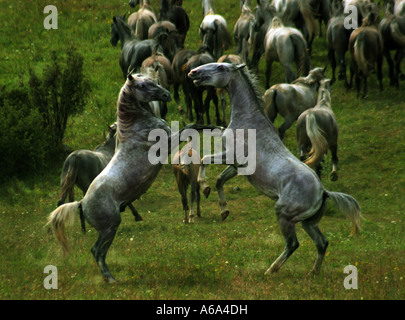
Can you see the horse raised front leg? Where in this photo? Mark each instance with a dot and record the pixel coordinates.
(202, 177)
(99, 250)
(226, 175)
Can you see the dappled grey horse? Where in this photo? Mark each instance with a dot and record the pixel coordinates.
(299, 194)
(128, 175)
(317, 131)
(81, 167)
(290, 100)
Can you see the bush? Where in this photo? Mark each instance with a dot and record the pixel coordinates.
(33, 119)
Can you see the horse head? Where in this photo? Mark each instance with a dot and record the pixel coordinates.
(144, 89)
(214, 74)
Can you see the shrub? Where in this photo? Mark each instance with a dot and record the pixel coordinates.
(34, 117)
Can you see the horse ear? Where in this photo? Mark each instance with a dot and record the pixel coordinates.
(240, 66)
(114, 19)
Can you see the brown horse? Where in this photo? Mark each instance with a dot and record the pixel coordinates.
(392, 29)
(186, 173)
(366, 50)
(141, 20)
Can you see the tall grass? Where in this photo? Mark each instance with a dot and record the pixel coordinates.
(161, 258)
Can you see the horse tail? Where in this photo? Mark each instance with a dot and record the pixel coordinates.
(349, 206)
(224, 35)
(308, 16)
(396, 33)
(359, 54)
(318, 141)
(69, 175)
(270, 106)
(63, 216)
(300, 54)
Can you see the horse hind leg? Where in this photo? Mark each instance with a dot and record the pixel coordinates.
(99, 251)
(311, 227)
(334, 175)
(137, 216)
(291, 243)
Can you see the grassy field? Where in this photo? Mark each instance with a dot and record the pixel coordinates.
(162, 258)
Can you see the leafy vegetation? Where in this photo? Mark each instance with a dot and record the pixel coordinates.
(161, 258)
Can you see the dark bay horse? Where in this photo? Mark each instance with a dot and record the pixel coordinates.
(133, 50)
(183, 62)
(81, 167)
(128, 175)
(175, 13)
(317, 131)
(392, 30)
(366, 50)
(337, 37)
(299, 194)
(243, 30)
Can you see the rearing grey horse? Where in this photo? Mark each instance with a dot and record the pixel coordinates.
(128, 175)
(299, 194)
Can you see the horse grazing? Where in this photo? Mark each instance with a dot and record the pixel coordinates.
(317, 131)
(175, 13)
(290, 100)
(243, 30)
(337, 37)
(299, 194)
(213, 31)
(221, 92)
(127, 176)
(285, 45)
(392, 30)
(186, 174)
(366, 50)
(141, 20)
(81, 167)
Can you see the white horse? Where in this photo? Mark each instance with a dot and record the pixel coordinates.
(300, 195)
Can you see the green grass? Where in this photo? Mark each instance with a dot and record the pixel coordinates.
(162, 258)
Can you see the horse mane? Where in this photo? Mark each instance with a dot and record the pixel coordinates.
(254, 83)
(128, 110)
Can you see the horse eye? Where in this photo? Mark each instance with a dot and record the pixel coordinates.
(221, 68)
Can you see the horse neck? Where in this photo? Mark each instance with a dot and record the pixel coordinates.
(124, 34)
(208, 7)
(243, 98)
(108, 147)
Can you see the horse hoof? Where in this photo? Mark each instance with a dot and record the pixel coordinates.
(224, 214)
(333, 176)
(207, 191)
(138, 218)
(110, 280)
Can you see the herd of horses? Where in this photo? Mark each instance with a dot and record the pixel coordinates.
(154, 60)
